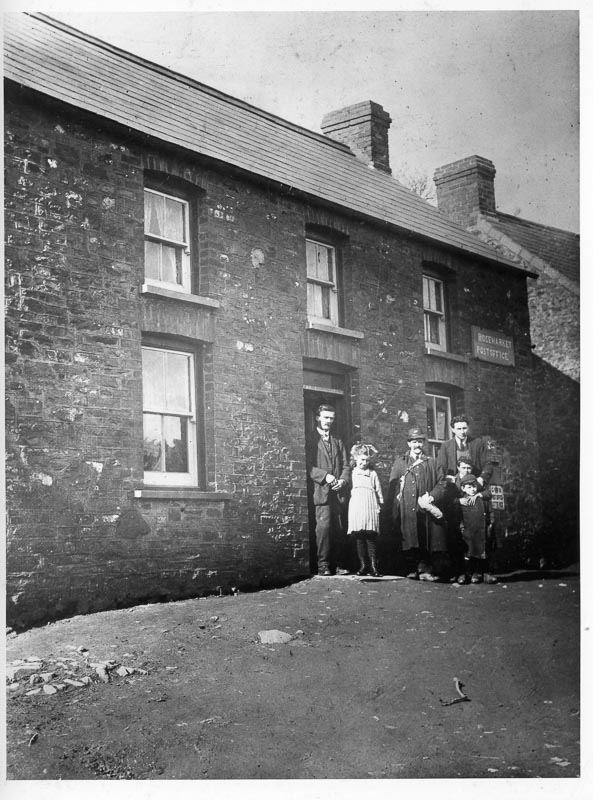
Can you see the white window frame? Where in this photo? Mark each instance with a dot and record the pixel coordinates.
(181, 479)
(432, 397)
(433, 295)
(316, 285)
(182, 246)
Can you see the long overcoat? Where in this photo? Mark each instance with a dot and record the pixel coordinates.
(418, 477)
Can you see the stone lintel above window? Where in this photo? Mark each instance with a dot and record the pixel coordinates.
(447, 368)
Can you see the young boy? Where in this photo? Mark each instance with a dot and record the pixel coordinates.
(476, 530)
(443, 504)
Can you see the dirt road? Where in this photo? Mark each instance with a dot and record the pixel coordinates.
(363, 689)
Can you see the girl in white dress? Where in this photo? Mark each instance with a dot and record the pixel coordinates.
(365, 503)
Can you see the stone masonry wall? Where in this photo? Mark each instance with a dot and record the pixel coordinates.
(555, 332)
(79, 537)
(500, 402)
(555, 329)
(72, 357)
(554, 312)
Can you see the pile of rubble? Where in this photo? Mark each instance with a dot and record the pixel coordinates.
(34, 676)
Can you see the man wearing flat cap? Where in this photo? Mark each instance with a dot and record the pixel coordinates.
(412, 476)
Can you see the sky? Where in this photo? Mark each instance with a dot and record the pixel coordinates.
(500, 84)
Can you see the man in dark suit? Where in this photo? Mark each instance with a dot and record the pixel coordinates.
(328, 470)
(462, 445)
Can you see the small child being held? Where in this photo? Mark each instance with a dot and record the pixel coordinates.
(366, 500)
(476, 530)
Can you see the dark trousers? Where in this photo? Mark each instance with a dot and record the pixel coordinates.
(329, 533)
(417, 558)
(478, 566)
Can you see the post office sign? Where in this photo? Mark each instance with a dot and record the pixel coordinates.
(493, 346)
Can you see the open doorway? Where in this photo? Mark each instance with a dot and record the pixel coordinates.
(329, 388)
(324, 388)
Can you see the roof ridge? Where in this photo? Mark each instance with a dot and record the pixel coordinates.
(516, 218)
(537, 262)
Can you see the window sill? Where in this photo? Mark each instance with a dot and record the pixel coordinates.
(195, 299)
(448, 356)
(319, 326)
(166, 493)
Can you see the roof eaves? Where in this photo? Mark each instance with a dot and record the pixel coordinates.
(495, 260)
(184, 79)
(478, 251)
(394, 205)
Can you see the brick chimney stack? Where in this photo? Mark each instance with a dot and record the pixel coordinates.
(465, 188)
(364, 127)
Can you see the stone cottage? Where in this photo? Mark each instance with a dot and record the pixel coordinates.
(187, 277)
(465, 192)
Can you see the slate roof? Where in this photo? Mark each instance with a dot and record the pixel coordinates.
(61, 62)
(559, 248)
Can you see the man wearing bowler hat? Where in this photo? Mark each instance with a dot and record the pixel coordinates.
(412, 476)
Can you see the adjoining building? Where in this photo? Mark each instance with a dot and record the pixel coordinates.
(187, 278)
(465, 192)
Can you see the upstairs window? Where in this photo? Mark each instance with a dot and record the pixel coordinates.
(435, 322)
(169, 415)
(166, 241)
(438, 421)
(322, 283)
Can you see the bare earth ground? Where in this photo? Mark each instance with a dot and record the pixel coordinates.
(361, 691)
